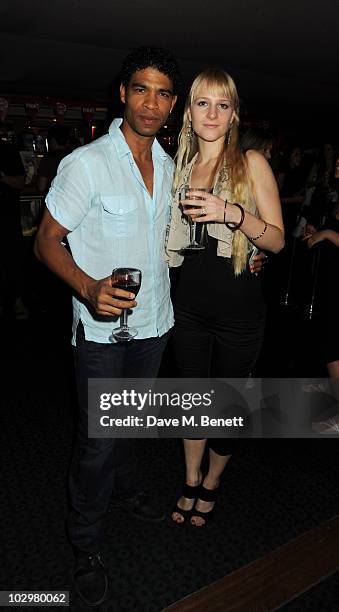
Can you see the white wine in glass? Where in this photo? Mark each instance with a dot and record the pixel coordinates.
(193, 245)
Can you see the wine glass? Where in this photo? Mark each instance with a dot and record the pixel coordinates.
(128, 279)
(185, 194)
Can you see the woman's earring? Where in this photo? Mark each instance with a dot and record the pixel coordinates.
(189, 131)
(229, 134)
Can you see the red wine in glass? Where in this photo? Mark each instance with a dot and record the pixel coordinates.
(128, 286)
(128, 279)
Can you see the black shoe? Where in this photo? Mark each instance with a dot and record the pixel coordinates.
(206, 495)
(190, 492)
(91, 579)
(140, 506)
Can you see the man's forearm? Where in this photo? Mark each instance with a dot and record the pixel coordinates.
(54, 255)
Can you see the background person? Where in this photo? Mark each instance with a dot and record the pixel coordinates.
(58, 147)
(326, 238)
(257, 139)
(12, 181)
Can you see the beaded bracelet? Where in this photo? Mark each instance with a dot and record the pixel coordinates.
(262, 233)
(231, 224)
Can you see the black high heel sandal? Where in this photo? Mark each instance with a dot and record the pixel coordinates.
(205, 495)
(190, 493)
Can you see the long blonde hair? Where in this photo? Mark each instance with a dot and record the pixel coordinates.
(220, 83)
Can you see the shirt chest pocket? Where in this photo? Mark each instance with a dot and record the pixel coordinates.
(120, 216)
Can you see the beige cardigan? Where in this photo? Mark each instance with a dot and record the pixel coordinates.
(178, 229)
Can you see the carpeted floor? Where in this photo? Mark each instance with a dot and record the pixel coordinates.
(324, 596)
(273, 490)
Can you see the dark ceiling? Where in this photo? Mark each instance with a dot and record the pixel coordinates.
(282, 54)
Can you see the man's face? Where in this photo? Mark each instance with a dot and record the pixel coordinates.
(148, 101)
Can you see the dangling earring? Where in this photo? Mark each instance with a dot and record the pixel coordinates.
(189, 131)
(229, 134)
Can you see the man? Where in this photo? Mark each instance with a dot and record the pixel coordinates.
(112, 200)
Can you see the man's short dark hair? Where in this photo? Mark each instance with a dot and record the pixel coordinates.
(151, 57)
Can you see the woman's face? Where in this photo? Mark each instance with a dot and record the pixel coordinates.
(211, 115)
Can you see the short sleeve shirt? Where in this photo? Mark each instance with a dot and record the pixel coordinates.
(99, 195)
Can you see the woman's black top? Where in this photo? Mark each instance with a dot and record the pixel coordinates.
(207, 283)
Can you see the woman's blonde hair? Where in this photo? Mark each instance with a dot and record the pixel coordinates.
(220, 83)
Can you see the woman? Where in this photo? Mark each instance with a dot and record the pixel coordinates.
(218, 304)
(327, 239)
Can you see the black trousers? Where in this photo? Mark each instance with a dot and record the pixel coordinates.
(204, 347)
(101, 466)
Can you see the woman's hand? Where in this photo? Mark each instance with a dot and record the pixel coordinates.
(317, 237)
(206, 207)
(309, 230)
(209, 208)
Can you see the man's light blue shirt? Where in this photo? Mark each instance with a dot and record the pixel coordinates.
(99, 195)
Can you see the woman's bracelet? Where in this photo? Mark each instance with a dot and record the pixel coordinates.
(231, 224)
(262, 233)
(225, 211)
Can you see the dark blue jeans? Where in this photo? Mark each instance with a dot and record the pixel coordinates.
(101, 466)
